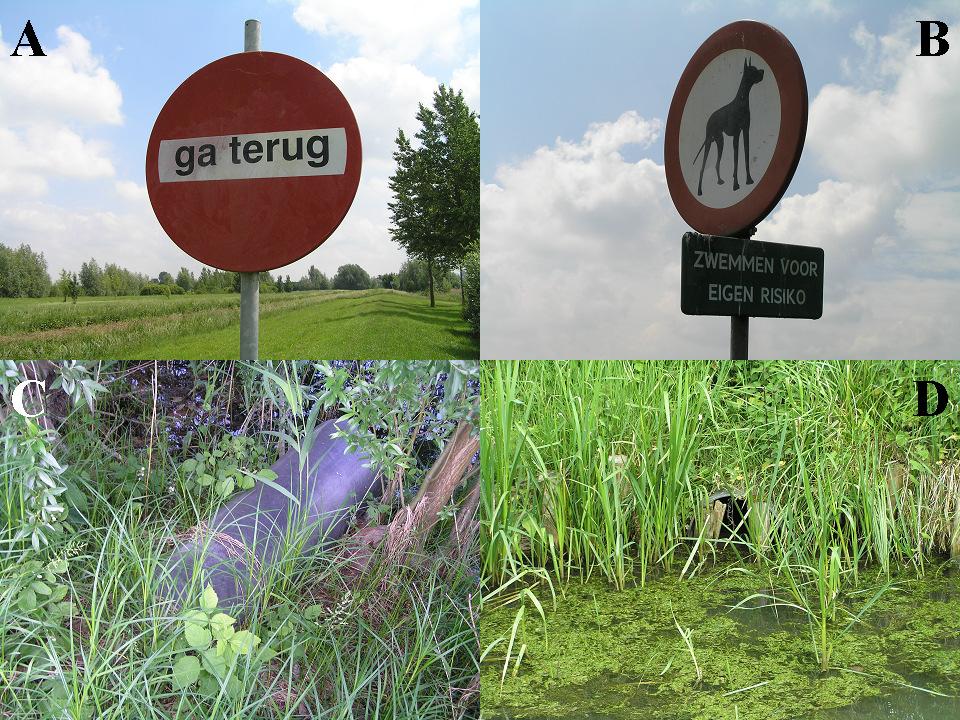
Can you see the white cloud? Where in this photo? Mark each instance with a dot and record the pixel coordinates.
(575, 242)
(401, 32)
(896, 119)
(44, 151)
(384, 97)
(787, 8)
(608, 138)
(849, 221)
(928, 223)
(42, 103)
(387, 45)
(132, 239)
(70, 84)
(467, 79)
(129, 190)
(581, 259)
(695, 7)
(822, 8)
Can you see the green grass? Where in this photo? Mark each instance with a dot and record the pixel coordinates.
(397, 652)
(605, 468)
(347, 324)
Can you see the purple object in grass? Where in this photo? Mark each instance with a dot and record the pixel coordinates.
(246, 535)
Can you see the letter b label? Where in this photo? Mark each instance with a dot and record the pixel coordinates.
(927, 36)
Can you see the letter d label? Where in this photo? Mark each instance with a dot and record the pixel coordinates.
(923, 388)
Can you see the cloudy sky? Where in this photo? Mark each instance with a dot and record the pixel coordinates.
(74, 125)
(581, 242)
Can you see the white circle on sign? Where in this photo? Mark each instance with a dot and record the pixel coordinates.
(713, 118)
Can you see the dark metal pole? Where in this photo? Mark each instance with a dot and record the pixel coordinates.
(740, 324)
(739, 336)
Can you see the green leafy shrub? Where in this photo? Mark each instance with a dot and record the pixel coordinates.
(161, 289)
(210, 648)
(388, 405)
(33, 484)
(294, 632)
(283, 626)
(38, 591)
(42, 497)
(228, 466)
(33, 596)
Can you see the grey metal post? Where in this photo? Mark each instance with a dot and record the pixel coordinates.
(250, 282)
(249, 315)
(251, 36)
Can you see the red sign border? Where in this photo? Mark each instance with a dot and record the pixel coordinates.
(241, 263)
(777, 51)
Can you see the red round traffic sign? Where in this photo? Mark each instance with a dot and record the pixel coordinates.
(253, 161)
(736, 128)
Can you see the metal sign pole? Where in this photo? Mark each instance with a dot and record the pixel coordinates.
(250, 282)
(739, 336)
(740, 324)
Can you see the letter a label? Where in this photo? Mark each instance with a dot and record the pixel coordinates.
(31, 42)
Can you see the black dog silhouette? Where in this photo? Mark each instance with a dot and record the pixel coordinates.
(732, 119)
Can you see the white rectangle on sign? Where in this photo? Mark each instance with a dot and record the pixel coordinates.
(290, 153)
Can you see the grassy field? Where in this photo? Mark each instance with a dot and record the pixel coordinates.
(328, 323)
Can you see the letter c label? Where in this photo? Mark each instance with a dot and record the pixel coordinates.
(17, 397)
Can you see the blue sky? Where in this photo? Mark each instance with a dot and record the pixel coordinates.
(580, 237)
(132, 55)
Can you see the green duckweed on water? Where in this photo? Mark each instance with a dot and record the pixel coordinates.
(610, 654)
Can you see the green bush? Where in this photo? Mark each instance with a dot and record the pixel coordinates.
(164, 289)
(236, 462)
(210, 649)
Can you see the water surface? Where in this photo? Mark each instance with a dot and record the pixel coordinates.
(608, 655)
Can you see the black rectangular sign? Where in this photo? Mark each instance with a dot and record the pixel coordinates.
(732, 276)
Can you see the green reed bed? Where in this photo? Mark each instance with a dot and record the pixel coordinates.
(605, 469)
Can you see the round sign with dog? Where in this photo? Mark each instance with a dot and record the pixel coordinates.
(736, 128)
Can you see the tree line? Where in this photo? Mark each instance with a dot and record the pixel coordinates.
(23, 273)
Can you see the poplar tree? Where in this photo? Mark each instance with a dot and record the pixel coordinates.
(435, 213)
